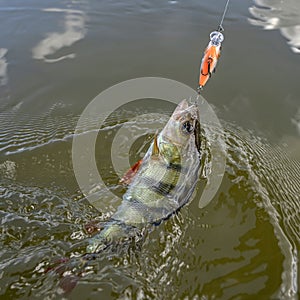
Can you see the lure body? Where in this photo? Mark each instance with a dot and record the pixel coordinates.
(211, 55)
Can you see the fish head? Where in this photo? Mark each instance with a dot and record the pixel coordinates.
(181, 131)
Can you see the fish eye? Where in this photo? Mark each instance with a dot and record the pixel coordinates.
(187, 127)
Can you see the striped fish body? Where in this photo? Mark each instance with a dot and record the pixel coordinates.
(165, 181)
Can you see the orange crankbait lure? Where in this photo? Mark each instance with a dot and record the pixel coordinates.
(211, 55)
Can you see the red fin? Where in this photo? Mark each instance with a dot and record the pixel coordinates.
(68, 283)
(93, 227)
(127, 178)
(58, 266)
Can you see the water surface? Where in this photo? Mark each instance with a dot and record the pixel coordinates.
(55, 57)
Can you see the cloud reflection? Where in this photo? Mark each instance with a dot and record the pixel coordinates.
(283, 15)
(3, 67)
(74, 25)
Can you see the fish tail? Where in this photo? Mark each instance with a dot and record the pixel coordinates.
(73, 268)
(70, 270)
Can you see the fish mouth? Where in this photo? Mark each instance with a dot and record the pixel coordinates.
(183, 125)
(191, 112)
(186, 110)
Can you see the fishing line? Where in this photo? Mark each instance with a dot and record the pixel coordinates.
(220, 27)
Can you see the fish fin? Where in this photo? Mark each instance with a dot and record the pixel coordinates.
(127, 178)
(75, 268)
(58, 266)
(93, 227)
(155, 149)
(68, 283)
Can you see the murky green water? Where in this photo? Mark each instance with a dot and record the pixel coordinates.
(55, 57)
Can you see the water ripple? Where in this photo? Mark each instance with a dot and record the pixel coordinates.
(245, 243)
